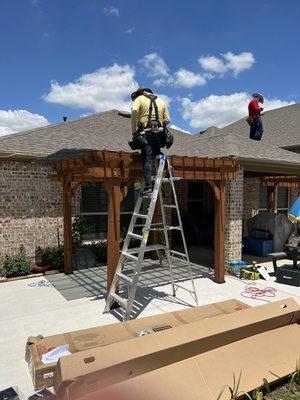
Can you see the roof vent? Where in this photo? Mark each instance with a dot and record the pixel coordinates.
(65, 119)
(124, 114)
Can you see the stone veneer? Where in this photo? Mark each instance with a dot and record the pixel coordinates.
(234, 217)
(30, 208)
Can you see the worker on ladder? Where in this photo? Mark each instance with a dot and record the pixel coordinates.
(254, 119)
(149, 120)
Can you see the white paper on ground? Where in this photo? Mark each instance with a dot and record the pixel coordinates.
(264, 273)
(55, 354)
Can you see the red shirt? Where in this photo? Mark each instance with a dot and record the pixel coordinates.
(254, 109)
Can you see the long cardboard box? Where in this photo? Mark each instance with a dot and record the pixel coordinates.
(42, 375)
(120, 361)
(271, 355)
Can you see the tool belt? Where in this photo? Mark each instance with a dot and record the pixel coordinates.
(249, 120)
(139, 140)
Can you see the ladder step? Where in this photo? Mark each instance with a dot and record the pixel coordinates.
(145, 216)
(135, 236)
(174, 179)
(177, 253)
(119, 299)
(169, 206)
(173, 228)
(129, 255)
(124, 277)
(151, 247)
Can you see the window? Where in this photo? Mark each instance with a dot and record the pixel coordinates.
(196, 199)
(282, 200)
(263, 198)
(93, 208)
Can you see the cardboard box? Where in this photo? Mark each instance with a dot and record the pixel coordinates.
(117, 362)
(271, 355)
(42, 375)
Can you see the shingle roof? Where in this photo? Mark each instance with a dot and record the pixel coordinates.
(108, 130)
(233, 145)
(281, 126)
(111, 131)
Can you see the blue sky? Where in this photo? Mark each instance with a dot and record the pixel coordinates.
(76, 57)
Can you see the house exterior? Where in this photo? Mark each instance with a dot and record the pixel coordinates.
(31, 203)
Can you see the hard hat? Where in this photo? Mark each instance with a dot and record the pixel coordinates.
(139, 91)
(259, 96)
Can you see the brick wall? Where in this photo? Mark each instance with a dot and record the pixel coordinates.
(30, 208)
(234, 217)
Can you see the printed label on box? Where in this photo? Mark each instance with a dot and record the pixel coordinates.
(48, 375)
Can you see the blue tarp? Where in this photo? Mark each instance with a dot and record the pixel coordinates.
(294, 213)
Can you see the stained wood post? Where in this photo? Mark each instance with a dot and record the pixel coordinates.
(271, 199)
(67, 206)
(219, 231)
(113, 187)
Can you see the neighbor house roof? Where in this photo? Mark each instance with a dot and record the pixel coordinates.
(281, 127)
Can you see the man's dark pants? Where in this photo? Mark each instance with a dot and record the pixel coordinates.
(257, 129)
(148, 153)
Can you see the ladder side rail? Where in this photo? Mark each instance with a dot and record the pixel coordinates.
(146, 231)
(182, 232)
(167, 250)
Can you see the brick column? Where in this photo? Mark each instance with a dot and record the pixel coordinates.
(234, 218)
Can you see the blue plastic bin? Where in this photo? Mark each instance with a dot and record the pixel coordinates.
(257, 247)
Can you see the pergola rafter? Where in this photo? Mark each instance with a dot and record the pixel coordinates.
(119, 170)
(272, 182)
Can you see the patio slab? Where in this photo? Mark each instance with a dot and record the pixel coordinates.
(77, 302)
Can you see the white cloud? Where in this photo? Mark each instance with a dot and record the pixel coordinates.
(189, 79)
(165, 98)
(221, 110)
(102, 90)
(230, 62)
(35, 2)
(179, 129)
(155, 65)
(12, 121)
(130, 30)
(111, 11)
(213, 64)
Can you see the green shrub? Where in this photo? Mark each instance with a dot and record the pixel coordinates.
(16, 265)
(79, 228)
(53, 256)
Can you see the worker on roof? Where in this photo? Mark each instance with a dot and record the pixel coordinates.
(254, 119)
(149, 120)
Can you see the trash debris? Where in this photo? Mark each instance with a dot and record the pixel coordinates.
(44, 394)
(40, 283)
(54, 355)
(9, 394)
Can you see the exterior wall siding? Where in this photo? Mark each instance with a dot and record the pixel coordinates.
(31, 208)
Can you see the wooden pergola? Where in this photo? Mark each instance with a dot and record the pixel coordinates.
(272, 182)
(119, 170)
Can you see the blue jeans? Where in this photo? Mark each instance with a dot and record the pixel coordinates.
(256, 129)
(148, 153)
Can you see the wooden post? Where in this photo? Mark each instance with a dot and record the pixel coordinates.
(113, 232)
(67, 205)
(219, 234)
(271, 199)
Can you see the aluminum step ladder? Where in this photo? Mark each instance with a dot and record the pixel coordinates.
(136, 254)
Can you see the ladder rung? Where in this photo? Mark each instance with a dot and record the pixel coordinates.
(135, 236)
(177, 253)
(119, 299)
(151, 247)
(124, 277)
(174, 228)
(169, 206)
(145, 216)
(175, 178)
(129, 255)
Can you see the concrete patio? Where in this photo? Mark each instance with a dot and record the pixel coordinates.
(77, 301)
